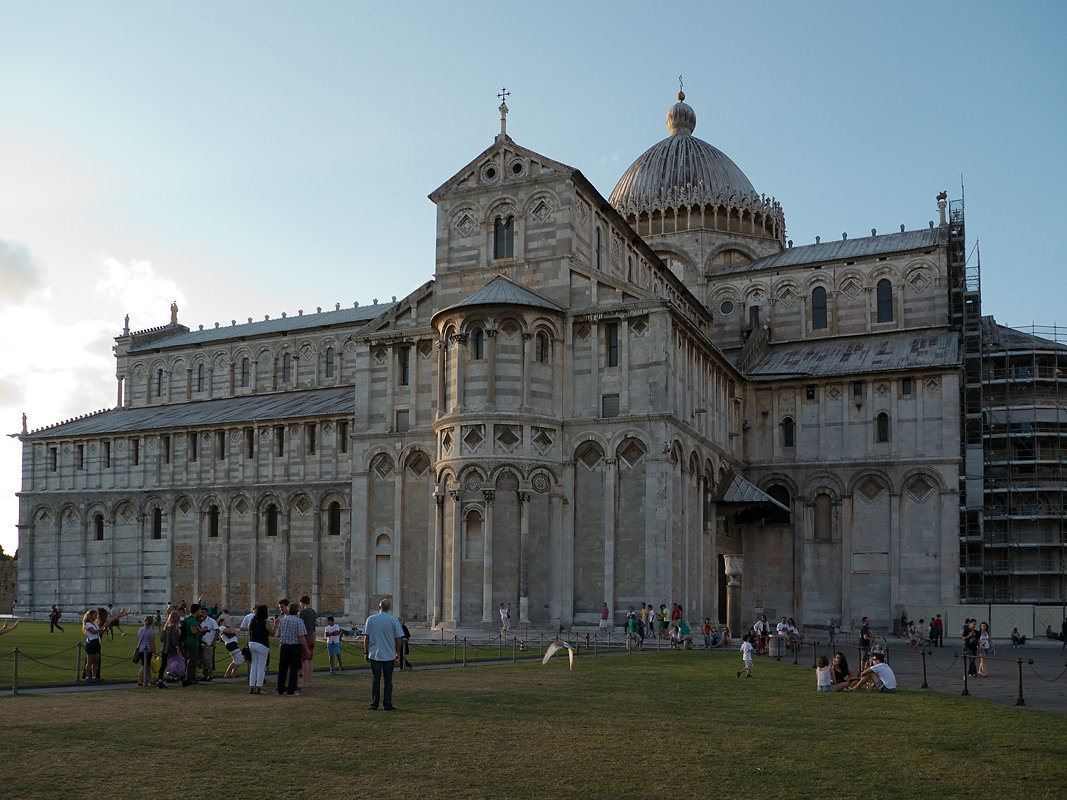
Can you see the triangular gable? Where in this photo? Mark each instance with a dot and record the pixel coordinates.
(401, 310)
(501, 151)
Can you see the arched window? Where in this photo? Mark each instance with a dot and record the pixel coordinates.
(788, 432)
(159, 383)
(630, 268)
(272, 520)
(541, 349)
(780, 516)
(881, 427)
(818, 308)
(200, 378)
(885, 300)
(287, 368)
(246, 373)
(504, 237)
(157, 523)
(98, 526)
(213, 522)
(333, 523)
(596, 248)
(329, 362)
(477, 350)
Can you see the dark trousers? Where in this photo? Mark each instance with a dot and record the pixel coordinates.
(972, 664)
(288, 668)
(192, 660)
(378, 670)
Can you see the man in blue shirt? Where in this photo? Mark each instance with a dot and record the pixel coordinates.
(382, 640)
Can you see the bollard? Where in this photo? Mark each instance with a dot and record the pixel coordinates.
(814, 651)
(1020, 701)
(924, 686)
(500, 647)
(796, 652)
(78, 663)
(455, 646)
(965, 676)
(514, 650)
(15, 673)
(464, 651)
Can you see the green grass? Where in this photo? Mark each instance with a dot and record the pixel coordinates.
(524, 729)
(53, 658)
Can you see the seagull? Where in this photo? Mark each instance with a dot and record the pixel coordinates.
(554, 648)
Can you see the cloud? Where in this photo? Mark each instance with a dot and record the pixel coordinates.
(137, 290)
(20, 273)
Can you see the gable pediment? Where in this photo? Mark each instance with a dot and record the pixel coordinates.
(498, 165)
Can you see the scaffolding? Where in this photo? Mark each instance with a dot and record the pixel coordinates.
(1025, 436)
(965, 309)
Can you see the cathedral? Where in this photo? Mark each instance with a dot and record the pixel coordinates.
(647, 397)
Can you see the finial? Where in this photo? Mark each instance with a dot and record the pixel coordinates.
(174, 313)
(503, 94)
(681, 94)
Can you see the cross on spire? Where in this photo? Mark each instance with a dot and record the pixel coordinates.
(503, 94)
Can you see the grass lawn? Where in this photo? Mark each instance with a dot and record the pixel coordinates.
(529, 730)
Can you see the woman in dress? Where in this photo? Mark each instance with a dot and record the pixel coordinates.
(260, 630)
(985, 648)
(170, 640)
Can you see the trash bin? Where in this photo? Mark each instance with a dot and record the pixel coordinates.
(774, 646)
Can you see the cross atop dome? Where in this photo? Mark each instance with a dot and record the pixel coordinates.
(503, 94)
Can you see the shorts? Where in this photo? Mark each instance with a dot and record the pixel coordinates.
(333, 648)
(310, 649)
(235, 653)
(92, 647)
(825, 688)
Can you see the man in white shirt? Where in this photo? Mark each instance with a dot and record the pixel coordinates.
(878, 674)
(209, 636)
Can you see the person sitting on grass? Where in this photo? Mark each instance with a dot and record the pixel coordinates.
(879, 674)
(840, 676)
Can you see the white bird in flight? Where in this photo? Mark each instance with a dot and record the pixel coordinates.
(554, 648)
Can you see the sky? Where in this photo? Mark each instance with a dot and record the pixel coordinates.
(253, 158)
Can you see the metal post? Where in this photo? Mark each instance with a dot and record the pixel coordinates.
(796, 652)
(464, 651)
(15, 674)
(814, 652)
(1020, 701)
(78, 664)
(500, 646)
(924, 686)
(965, 675)
(514, 650)
(455, 646)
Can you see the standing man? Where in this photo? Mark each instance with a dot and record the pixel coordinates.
(937, 629)
(604, 615)
(865, 643)
(972, 638)
(210, 628)
(293, 649)
(382, 640)
(191, 631)
(309, 617)
(53, 619)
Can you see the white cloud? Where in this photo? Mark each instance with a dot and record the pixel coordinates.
(136, 288)
(19, 272)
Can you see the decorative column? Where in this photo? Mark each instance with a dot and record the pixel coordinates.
(524, 557)
(490, 396)
(438, 558)
(524, 372)
(487, 557)
(283, 580)
(460, 340)
(733, 565)
(316, 546)
(457, 544)
(610, 486)
(226, 511)
(396, 561)
(442, 355)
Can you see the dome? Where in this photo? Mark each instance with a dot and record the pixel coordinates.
(678, 161)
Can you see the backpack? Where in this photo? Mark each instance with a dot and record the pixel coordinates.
(176, 666)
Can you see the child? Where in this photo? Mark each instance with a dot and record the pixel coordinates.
(823, 678)
(706, 630)
(746, 655)
(333, 643)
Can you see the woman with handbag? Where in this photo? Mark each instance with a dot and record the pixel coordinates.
(146, 648)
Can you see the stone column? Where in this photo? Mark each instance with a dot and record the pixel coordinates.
(610, 487)
(524, 557)
(524, 372)
(226, 511)
(487, 557)
(734, 611)
(396, 561)
(490, 390)
(438, 557)
(457, 545)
